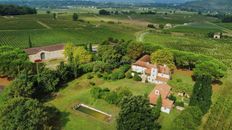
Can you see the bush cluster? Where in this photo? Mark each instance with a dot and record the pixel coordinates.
(112, 97)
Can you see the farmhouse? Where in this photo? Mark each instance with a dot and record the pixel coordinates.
(158, 74)
(46, 53)
(163, 91)
(217, 36)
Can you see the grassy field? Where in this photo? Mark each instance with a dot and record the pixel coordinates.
(78, 91)
(220, 49)
(43, 30)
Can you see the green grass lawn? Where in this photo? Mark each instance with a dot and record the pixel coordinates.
(78, 91)
(182, 82)
(166, 120)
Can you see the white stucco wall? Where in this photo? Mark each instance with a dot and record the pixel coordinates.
(164, 75)
(48, 55)
(166, 110)
(138, 69)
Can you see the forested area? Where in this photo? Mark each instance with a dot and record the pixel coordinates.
(16, 10)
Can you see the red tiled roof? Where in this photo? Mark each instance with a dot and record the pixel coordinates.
(163, 69)
(31, 51)
(164, 91)
(162, 79)
(145, 58)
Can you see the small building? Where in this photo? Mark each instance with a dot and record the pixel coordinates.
(163, 91)
(46, 53)
(217, 36)
(167, 26)
(158, 74)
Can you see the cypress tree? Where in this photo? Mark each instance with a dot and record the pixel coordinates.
(90, 47)
(202, 93)
(29, 42)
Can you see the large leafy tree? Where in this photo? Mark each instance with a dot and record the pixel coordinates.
(22, 86)
(202, 93)
(109, 54)
(210, 68)
(136, 114)
(13, 61)
(47, 81)
(81, 55)
(162, 57)
(23, 114)
(189, 119)
(135, 50)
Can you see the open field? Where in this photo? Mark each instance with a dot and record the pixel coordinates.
(220, 49)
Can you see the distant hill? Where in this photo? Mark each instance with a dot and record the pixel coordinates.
(116, 1)
(212, 5)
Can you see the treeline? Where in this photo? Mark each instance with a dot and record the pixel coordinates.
(225, 18)
(16, 10)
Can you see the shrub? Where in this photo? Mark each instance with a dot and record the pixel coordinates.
(172, 97)
(137, 77)
(90, 76)
(99, 75)
(128, 74)
(99, 93)
(92, 83)
(181, 104)
(112, 98)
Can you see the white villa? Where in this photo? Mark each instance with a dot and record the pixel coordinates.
(157, 74)
(46, 53)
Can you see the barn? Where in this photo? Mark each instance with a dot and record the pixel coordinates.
(46, 53)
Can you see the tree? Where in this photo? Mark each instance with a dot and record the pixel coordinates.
(90, 47)
(81, 56)
(110, 55)
(22, 86)
(104, 12)
(135, 50)
(29, 42)
(68, 52)
(202, 93)
(48, 81)
(23, 114)
(13, 61)
(75, 16)
(135, 114)
(163, 57)
(54, 16)
(210, 68)
(189, 119)
(157, 108)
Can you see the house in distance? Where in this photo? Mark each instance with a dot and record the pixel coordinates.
(158, 74)
(46, 53)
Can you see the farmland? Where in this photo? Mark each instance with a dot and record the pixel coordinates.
(189, 33)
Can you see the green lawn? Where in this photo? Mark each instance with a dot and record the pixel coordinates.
(78, 91)
(182, 82)
(167, 119)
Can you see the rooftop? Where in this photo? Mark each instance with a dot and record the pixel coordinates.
(163, 91)
(35, 50)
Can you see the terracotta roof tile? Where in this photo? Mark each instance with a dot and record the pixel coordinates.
(31, 51)
(164, 91)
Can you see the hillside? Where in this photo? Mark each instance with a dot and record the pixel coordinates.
(212, 5)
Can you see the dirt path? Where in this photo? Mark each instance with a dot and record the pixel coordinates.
(44, 25)
(140, 35)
